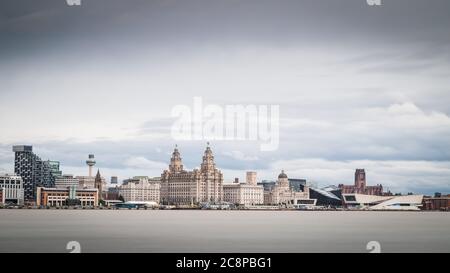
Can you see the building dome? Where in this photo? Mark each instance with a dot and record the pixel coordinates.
(282, 175)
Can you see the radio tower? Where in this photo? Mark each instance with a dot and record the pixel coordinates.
(91, 163)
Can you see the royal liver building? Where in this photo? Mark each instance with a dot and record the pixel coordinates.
(181, 187)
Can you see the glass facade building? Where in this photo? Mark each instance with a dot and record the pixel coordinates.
(34, 171)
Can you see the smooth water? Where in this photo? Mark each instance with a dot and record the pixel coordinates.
(222, 231)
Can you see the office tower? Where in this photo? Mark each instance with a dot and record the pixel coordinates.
(12, 189)
(244, 194)
(282, 194)
(141, 188)
(91, 163)
(296, 184)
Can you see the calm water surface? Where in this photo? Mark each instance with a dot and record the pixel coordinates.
(222, 231)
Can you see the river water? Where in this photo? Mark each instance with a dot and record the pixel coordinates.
(222, 231)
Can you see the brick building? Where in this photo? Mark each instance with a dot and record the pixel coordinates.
(360, 185)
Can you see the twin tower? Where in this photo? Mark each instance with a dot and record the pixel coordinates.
(182, 187)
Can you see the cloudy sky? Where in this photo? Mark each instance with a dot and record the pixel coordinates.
(357, 86)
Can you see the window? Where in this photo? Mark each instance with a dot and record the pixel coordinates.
(350, 198)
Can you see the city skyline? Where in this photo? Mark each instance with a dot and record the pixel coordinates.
(103, 77)
(377, 188)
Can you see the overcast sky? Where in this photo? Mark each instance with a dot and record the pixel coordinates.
(358, 86)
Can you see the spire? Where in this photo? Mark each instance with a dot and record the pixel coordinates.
(98, 176)
(98, 184)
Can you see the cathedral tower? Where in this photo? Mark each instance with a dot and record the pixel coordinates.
(360, 178)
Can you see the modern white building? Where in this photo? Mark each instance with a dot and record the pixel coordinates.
(12, 189)
(375, 202)
(141, 188)
(246, 194)
(66, 180)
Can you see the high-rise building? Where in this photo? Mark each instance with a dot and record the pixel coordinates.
(34, 171)
(181, 187)
(360, 185)
(12, 189)
(114, 180)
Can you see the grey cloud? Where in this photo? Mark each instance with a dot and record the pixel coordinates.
(284, 23)
(125, 62)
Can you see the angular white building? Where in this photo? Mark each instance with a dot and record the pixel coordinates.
(374, 202)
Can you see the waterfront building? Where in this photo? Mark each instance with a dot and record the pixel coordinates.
(328, 197)
(91, 163)
(181, 187)
(376, 202)
(141, 188)
(113, 193)
(64, 197)
(67, 180)
(282, 194)
(360, 185)
(246, 194)
(34, 171)
(12, 189)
